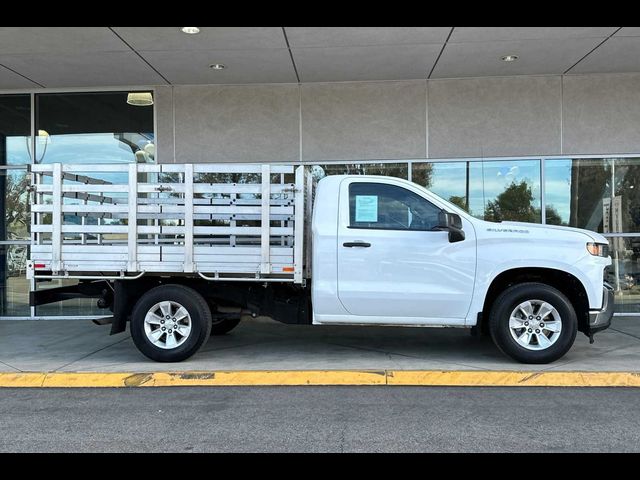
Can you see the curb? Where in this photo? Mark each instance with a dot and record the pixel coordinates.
(455, 378)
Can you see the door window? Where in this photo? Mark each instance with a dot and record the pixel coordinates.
(388, 207)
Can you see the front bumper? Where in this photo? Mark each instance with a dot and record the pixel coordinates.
(601, 319)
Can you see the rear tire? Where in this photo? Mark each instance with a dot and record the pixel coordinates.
(164, 309)
(533, 323)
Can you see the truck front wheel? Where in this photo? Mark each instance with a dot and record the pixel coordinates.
(533, 323)
(170, 323)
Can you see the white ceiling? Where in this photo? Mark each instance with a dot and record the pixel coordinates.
(112, 56)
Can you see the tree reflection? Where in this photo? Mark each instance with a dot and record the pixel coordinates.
(459, 201)
(398, 170)
(515, 203)
(16, 206)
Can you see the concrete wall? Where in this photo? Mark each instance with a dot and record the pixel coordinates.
(447, 118)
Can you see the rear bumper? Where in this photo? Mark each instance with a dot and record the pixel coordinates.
(601, 319)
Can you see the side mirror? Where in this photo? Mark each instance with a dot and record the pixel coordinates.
(453, 224)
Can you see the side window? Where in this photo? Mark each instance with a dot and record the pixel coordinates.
(388, 207)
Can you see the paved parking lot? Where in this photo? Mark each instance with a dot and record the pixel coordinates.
(81, 346)
(320, 419)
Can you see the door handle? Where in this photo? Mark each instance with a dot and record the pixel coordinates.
(356, 244)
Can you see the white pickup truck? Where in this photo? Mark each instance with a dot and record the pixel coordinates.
(183, 251)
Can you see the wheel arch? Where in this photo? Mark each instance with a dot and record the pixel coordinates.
(565, 282)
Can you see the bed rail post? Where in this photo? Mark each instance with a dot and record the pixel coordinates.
(56, 233)
(298, 234)
(132, 233)
(188, 218)
(265, 222)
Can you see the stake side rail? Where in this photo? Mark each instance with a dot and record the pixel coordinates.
(220, 222)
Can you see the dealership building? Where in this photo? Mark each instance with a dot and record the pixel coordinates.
(535, 124)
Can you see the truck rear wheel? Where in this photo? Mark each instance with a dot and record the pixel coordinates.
(170, 323)
(533, 323)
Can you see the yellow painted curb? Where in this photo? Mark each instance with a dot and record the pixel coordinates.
(193, 379)
(514, 379)
(321, 377)
(22, 379)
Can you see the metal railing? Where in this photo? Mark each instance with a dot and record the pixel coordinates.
(224, 221)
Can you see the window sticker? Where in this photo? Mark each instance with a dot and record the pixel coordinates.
(366, 208)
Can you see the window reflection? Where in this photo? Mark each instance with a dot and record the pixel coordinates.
(15, 129)
(74, 306)
(580, 191)
(399, 170)
(93, 128)
(14, 202)
(624, 273)
(14, 286)
(494, 191)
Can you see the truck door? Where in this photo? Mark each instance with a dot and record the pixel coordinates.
(391, 263)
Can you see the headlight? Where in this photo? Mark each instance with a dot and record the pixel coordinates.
(598, 249)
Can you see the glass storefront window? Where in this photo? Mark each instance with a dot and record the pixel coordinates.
(14, 286)
(87, 127)
(14, 202)
(600, 194)
(624, 273)
(458, 182)
(574, 190)
(399, 170)
(75, 306)
(15, 129)
(492, 190)
(93, 128)
(580, 192)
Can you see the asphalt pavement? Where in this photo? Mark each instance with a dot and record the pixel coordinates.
(320, 419)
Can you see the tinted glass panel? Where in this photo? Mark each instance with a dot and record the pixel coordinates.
(399, 170)
(624, 273)
(457, 182)
(14, 202)
(75, 306)
(387, 207)
(15, 129)
(493, 190)
(93, 128)
(580, 193)
(14, 286)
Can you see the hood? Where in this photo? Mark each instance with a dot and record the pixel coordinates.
(596, 237)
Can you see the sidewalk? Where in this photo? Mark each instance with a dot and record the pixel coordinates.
(262, 345)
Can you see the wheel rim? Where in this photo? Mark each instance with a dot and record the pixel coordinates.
(167, 325)
(535, 324)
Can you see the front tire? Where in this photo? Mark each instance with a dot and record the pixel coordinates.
(170, 323)
(533, 323)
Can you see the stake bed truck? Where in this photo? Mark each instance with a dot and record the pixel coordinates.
(184, 251)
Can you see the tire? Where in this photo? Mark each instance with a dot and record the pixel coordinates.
(146, 327)
(511, 333)
(224, 326)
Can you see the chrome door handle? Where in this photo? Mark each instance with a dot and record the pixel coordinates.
(356, 244)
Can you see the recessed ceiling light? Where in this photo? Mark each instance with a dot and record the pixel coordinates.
(217, 66)
(191, 30)
(509, 58)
